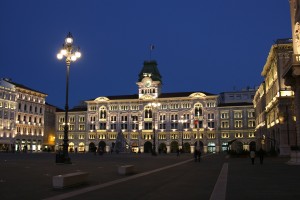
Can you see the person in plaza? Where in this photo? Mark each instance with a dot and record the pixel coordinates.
(252, 156)
(196, 155)
(261, 155)
(177, 151)
(199, 155)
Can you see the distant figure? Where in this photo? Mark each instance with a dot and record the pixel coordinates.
(177, 151)
(196, 155)
(261, 156)
(252, 156)
(199, 155)
(75, 149)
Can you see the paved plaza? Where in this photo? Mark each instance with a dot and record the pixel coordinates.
(29, 176)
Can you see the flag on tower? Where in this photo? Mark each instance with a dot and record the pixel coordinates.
(151, 47)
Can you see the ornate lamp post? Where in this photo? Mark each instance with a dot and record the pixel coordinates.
(71, 55)
(181, 121)
(154, 107)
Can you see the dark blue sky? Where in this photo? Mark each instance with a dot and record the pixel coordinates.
(210, 46)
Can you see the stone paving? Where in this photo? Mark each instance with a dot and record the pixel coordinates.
(29, 176)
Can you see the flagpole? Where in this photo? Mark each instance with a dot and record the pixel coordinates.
(151, 49)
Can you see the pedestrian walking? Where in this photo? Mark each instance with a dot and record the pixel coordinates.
(177, 151)
(252, 156)
(261, 156)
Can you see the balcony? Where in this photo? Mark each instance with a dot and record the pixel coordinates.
(289, 65)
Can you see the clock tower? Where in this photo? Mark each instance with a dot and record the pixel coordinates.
(149, 81)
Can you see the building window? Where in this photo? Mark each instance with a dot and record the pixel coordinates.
(162, 126)
(174, 106)
(92, 136)
(113, 118)
(71, 127)
(251, 114)
(102, 113)
(148, 113)
(124, 126)
(198, 110)
(174, 125)
(124, 118)
(251, 123)
(225, 135)
(113, 107)
(93, 118)
(224, 124)
(124, 107)
(251, 135)
(72, 119)
(102, 126)
(162, 117)
(81, 127)
(61, 127)
(239, 135)
(173, 136)
(93, 108)
(174, 117)
(113, 126)
(134, 126)
(224, 115)
(211, 124)
(238, 124)
(186, 116)
(81, 119)
(134, 107)
(81, 136)
(101, 137)
(61, 120)
(148, 125)
(238, 114)
(210, 116)
(92, 127)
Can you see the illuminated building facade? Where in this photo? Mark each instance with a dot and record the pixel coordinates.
(165, 122)
(274, 102)
(29, 118)
(8, 106)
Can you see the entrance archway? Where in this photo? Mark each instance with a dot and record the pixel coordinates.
(186, 148)
(147, 147)
(92, 147)
(102, 145)
(162, 148)
(237, 146)
(174, 146)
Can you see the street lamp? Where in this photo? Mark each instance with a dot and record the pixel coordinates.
(71, 55)
(181, 121)
(154, 107)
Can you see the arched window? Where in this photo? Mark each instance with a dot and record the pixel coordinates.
(198, 110)
(148, 112)
(102, 113)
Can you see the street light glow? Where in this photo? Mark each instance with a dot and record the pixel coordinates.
(59, 56)
(69, 40)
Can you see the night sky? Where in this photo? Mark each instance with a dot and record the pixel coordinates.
(210, 46)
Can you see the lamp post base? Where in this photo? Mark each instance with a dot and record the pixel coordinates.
(60, 158)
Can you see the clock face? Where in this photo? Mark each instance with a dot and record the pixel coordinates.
(147, 82)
